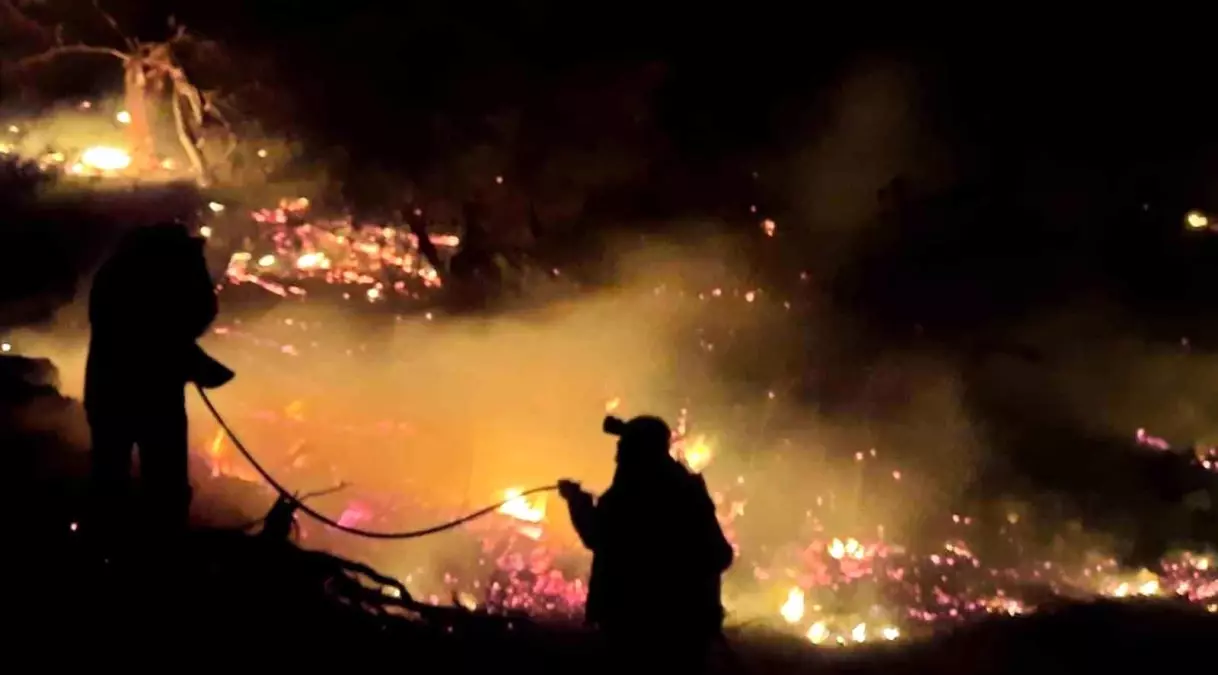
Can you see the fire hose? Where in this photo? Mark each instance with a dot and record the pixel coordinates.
(283, 492)
(320, 517)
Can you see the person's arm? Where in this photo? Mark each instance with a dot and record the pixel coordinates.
(584, 517)
(718, 547)
(205, 371)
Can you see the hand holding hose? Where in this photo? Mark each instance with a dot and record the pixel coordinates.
(572, 491)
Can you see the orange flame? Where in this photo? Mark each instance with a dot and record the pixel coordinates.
(531, 509)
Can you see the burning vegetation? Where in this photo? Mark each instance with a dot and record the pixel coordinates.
(328, 395)
(835, 575)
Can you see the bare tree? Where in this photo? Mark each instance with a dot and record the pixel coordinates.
(150, 69)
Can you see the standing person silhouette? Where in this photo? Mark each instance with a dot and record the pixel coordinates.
(658, 553)
(150, 302)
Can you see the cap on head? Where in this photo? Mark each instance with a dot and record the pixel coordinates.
(644, 432)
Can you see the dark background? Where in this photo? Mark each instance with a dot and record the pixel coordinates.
(947, 181)
(947, 171)
(1076, 143)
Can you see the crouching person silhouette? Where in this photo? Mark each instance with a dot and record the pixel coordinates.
(658, 553)
(150, 302)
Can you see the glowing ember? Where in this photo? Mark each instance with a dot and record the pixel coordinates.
(305, 250)
(696, 454)
(103, 158)
(312, 261)
(818, 633)
(839, 549)
(859, 633)
(1196, 220)
(354, 514)
(527, 509)
(792, 610)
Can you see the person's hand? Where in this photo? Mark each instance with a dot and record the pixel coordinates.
(208, 372)
(570, 490)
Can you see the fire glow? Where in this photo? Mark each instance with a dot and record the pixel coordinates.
(102, 158)
(811, 587)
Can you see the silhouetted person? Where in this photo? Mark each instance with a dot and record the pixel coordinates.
(149, 303)
(658, 551)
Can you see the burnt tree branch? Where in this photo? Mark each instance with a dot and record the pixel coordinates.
(64, 50)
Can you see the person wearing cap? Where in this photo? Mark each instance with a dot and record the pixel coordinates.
(658, 550)
(149, 304)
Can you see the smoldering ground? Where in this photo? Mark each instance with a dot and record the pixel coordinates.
(784, 379)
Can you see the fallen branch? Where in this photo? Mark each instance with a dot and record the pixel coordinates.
(279, 523)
